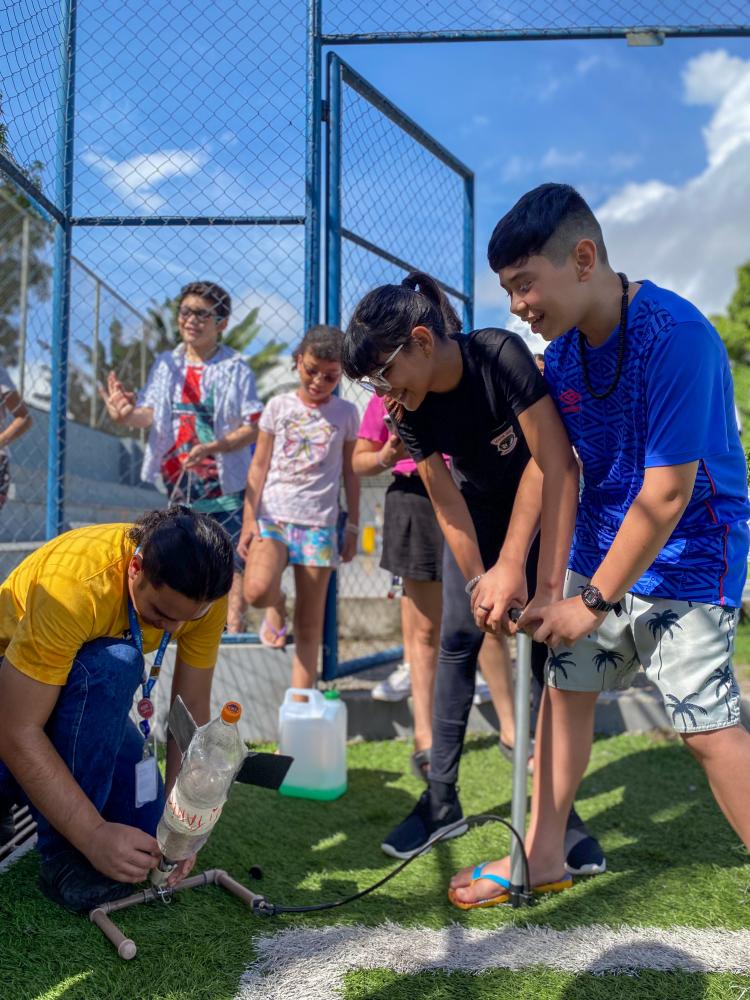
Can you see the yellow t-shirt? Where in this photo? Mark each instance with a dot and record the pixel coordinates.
(74, 589)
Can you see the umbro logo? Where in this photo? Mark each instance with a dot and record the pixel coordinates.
(571, 401)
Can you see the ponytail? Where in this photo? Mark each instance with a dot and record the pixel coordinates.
(386, 316)
(189, 552)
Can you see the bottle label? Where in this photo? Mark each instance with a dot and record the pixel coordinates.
(191, 819)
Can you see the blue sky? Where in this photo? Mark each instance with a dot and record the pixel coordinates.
(622, 124)
(172, 119)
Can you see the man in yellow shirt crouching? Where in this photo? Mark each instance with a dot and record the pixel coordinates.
(76, 617)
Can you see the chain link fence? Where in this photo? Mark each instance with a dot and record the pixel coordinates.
(189, 164)
(397, 201)
(196, 154)
(521, 18)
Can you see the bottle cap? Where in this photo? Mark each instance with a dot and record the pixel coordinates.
(231, 711)
(331, 695)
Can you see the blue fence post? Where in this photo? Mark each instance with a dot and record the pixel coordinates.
(333, 313)
(61, 280)
(468, 285)
(313, 165)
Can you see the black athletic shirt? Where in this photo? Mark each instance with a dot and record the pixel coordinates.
(477, 422)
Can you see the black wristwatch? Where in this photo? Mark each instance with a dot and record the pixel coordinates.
(592, 598)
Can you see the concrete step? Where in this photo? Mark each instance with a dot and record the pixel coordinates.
(258, 678)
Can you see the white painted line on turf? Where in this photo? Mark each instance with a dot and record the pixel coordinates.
(309, 964)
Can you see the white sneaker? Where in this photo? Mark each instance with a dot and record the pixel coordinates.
(396, 686)
(481, 690)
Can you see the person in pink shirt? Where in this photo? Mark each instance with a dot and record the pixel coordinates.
(413, 550)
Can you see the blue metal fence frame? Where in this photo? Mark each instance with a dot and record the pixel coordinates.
(61, 211)
(340, 74)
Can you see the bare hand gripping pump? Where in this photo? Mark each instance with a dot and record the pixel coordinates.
(213, 758)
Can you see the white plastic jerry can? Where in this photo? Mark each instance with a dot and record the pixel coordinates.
(313, 731)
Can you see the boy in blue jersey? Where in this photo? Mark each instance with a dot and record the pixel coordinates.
(659, 555)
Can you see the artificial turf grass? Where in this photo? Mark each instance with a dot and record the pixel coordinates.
(672, 859)
(544, 984)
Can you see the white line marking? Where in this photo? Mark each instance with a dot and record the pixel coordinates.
(17, 854)
(309, 964)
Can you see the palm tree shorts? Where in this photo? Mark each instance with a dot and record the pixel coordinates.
(684, 647)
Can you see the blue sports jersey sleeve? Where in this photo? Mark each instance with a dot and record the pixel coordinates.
(685, 396)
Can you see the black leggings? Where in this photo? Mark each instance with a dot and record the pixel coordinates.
(460, 640)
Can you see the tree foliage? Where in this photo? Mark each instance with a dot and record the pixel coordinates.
(16, 212)
(240, 337)
(734, 328)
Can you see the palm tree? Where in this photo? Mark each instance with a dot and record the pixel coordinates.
(163, 319)
(685, 708)
(605, 658)
(558, 661)
(726, 615)
(725, 680)
(659, 624)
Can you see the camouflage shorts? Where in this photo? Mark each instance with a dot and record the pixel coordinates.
(684, 647)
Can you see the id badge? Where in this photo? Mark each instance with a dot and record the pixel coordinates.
(146, 781)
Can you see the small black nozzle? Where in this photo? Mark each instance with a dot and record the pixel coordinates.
(515, 613)
(262, 908)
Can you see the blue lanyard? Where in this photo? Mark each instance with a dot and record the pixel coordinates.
(145, 706)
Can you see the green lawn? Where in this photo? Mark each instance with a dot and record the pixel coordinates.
(672, 861)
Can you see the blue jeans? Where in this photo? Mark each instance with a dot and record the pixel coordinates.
(90, 729)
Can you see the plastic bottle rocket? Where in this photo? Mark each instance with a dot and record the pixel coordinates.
(210, 765)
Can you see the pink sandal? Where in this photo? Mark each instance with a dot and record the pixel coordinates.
(280, 633)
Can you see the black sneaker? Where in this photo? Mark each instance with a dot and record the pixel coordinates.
(583, 853)
(71, 881)
(427, 820)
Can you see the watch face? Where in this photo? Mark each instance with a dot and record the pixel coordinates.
(591, 597)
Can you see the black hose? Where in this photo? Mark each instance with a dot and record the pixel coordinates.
(518, 895)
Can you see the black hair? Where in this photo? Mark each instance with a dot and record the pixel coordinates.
(323, 342)
(186, 551)
(212, 293)
(386, 316)
(550, 220)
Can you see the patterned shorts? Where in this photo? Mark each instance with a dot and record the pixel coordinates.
(308, 546)
(684, 647)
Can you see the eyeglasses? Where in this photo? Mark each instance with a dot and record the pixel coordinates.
(313, 373)
(375, 380)
(202, 315)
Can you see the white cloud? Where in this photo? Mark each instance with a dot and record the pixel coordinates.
(585, 65)
(279, 319)
(689, 237)
(549, 89)
(692, 237)
(516, 167)
(554, 159)
(711, 75)
(134, 180)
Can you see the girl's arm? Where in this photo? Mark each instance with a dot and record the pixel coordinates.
(351, 491)
(371, 457)
(21, 418)
(452, 515)
(548, 490)
(256, 480)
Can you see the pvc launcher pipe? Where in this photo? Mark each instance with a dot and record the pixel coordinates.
(126, 947)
